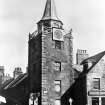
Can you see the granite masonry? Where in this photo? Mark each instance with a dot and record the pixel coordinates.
(50, 58)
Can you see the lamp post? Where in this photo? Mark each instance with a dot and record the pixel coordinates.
(70, 101)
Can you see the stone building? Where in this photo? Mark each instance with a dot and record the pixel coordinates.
(50, 58)
(96, 85)
(89, 87)
(95, 79)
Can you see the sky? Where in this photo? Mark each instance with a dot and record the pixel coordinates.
(19, 17)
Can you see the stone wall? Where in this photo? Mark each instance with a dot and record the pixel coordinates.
(49, 74)
(98, 72)
(42, 57)
(34, 63)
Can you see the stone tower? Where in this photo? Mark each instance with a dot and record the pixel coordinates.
(50, 58)
(81, 55)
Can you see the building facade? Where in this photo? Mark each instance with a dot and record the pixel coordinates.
(96, 84)
(89, 86)
(50, 58)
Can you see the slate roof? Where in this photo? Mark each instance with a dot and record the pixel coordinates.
(6, 83)
(13, 82)
(50, 11)
(14, 90)
(93, 60)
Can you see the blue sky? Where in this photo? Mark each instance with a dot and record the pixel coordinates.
(19, 17)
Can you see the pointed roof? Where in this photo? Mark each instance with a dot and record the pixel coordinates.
(94, 60)
(50, 11)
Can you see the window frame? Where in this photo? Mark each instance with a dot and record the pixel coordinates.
(56, 66)
(57, 84)
(95, 99)
(96, 83)
(58, 44)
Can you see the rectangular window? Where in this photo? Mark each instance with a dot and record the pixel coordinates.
(96, 83)
(57, 86)
(57, 66)
(95, 101)
(58, 44)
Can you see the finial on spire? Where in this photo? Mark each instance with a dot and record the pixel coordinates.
(50, 11)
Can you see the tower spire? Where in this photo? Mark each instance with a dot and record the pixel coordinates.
(50, 11)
